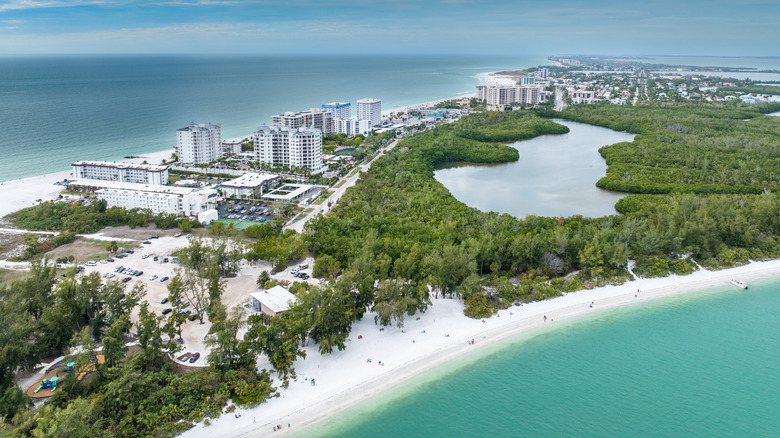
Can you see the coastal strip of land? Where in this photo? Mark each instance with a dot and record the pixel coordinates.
(26, 192)
(378, 359)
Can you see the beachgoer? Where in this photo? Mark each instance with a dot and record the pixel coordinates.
(545, 318)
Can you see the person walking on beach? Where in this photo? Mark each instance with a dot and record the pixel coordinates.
(545, 318)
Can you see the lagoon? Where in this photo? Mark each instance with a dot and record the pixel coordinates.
(555, 176)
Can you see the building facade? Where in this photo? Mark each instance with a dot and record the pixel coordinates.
(121, 172)
(339, 110)
(352, 126)
(300, 147)
(313, 118)
(500, 96)
(370, 109)
(159, 199)
(250, 185)
(199, 143)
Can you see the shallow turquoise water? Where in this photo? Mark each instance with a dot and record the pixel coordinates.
(705, 365)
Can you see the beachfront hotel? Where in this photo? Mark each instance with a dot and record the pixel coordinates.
(301, 147)
(249, 185)
(339, 110)
(352, 126)
(313, 118)
(369, 109)
(120, 172)
(180, 201)
(502, 95)
(199, 143)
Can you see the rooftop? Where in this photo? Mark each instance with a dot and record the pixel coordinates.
(134, 186)
(121, 165)
(277, 298)
(250, 180)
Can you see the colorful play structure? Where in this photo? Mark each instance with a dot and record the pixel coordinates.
(56, 374)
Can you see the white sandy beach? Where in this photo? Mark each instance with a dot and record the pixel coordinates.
(22, 193)
(345, 379)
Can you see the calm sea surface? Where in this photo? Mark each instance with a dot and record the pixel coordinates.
(555, 176)
(695, 366)
(56, 110)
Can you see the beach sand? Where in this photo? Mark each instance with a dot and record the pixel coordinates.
(345, 378)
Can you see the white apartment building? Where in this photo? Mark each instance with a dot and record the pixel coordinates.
(300, 147)
(313, 118)
(527, 80)
(199, 143)
(121, 172)
(370, 109)
(352, 126)
(249, 185)
(339, 110)
(500, 96)
(159, 199)
(232, 146)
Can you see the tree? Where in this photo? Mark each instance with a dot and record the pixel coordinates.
(149, 336)
(329, 312)
(277, 338)
(227, 351)
(185, 225)
(176, 298)
(196, 290)
(263, 278)
(326, 266)
(114, 347)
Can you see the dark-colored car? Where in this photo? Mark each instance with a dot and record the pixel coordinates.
(164, 300)
(156, 258)
(146, 242)
(193, 317)
(163, 279)
(167, 310)
(155, 237)
(195, 357)
(109, 260)
(130, 251)
(126, 279)
(139, 273)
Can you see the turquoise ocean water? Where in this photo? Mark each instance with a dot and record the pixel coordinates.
(56, 110)
(701, 365)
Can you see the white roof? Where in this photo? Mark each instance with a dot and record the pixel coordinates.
(277, 298)
(137, 187)
(121, 165)
(294, 191)
(250, 180)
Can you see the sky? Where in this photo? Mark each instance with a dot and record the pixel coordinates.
(544, 27)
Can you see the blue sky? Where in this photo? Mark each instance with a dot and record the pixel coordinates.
(715, 27)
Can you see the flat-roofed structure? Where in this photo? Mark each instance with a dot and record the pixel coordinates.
(301, 147)
(249, 185)
(313, 118)
(181, 201)
(121, 172)
(199, 143)
(273, 301)
(369, 109)
(288, 192)
(340, 110)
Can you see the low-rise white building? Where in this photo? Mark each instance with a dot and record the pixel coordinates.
(208, 216)
(180, 201)
(121, 172)
(232, 146)
(249, 185)
(274, 301)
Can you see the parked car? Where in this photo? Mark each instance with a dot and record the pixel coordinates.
(163, 279)
(167, 310)
(110, 260)
(194, 357)
(154, 277)
(126, 279)
(177, 235)
(145, 256)
(164, 300)
(146, 242)
(155, 237)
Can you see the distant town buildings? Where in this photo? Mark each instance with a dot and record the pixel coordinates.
(369, 109)
(503, 95)
(527, 80)
(121, 172)
(313, 118)
(180, 201)
(301, 147)
(339, 110)
(542, 73)
(199, 143)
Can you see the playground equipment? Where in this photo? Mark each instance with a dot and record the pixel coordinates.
(70, 366)
(50, 384)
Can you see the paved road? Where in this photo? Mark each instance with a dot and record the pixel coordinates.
(335, 196)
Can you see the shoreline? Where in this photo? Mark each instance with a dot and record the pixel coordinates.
(24, 192)
(440, 337)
